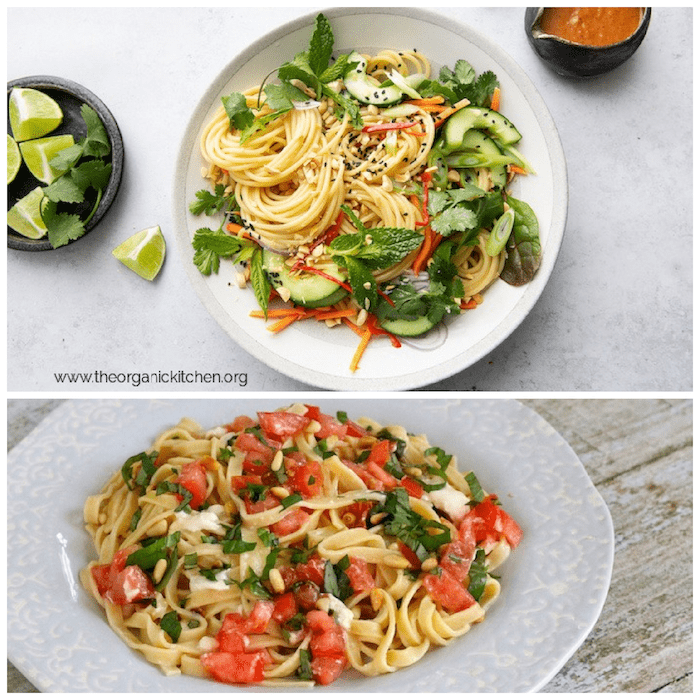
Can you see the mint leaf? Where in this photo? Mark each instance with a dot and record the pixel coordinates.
(364, 286)
(321, 45)
(259, 281)
(282, 97)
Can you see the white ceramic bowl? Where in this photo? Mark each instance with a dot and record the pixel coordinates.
(309, 351)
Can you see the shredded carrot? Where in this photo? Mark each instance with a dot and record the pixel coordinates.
(232, 227)
(430, 243)
(496, 99)
(434, 100)
(284, 322)
(353, 327)
(337, 313)
(517, 170)
(366, 337)
(442, 117)
(275, 313)
(471, 304)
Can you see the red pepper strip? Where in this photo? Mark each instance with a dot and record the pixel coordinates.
(324, 238)
(320, 273)
(427, 178)
(371, 323)
(385, 296)
(393, 126)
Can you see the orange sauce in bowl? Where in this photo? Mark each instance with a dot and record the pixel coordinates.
(591, 26)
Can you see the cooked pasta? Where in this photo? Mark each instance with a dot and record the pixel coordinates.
(349, 183)
(285, 548)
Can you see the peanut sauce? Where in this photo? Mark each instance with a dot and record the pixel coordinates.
(591, 26)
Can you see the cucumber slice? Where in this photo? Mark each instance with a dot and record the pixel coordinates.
(497, 126)
(306, 288)
(365, 88)
(408, 329)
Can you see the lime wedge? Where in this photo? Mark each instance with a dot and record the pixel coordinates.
(14, 159)
(143, 253)
(38, 152)
(32, 114)
(25, 215)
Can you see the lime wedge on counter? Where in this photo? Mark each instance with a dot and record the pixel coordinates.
(38, 152)
(143, 253)
(14, 159)
(32, 114)
(25, 215)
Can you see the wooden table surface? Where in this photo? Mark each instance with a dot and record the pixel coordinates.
(638, 453)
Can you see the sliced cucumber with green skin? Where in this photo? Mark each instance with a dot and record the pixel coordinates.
(498, 127)
(367, 89)
(474, 140)
(306, 288)
(408, 328)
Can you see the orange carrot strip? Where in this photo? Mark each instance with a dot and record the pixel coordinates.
(442, 117)
(233, 227)
(496, 99)
(353, 327)
(435, 99)
(517, 169)
(275, 313)
(337, 313)
(283, 323)
(366, 337)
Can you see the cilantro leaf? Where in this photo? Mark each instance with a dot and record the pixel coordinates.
(62, 227)
(209, 203)
(96, 143)
(92, 173)
(211, 245)
(239, 114)
(64, 189)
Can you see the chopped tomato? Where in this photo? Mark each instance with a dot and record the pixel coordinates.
(258, 456)
(412, 487)
(312, 412)
(355, 430)
(328, 643)
(193, 477)
(372, 482)
(306, 595)
(121, 584)
(355, 515)
(330, 426)
(319, 621)
(457, 559)
(380, 453)
(361, 578)
(387, 480)
(312, 570)
(291, 522)
(228, 667)
(268, 502)
(281, 424)
(239, 424)
(285, 608)
(306, 478)
(231, 636)
(489, 522)
(326, 669)
(448, 592)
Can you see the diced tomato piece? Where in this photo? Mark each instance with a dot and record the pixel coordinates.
(101, 574)
(489, 522)
(238, 483)
(448, 592)
(312, 570)
(231, 636)
(355, 430)
(328, 643)
(270, 501)
(306, 478)
(412, 557)
(412, 487)
(285, 608)
(355, 515)
(457, 559)
(259, 617)
(330, 426)
(239, 424)
(360, 576)
(387, 480)
(326, 669)
(193, 477)
(319, 621)
(228, 667)
(380, 453)
(361, 470)
(291, 522)
(281, 424)
(312, 412)
(129, 586)
(258, 456)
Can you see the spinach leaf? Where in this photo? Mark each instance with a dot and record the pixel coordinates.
(524, 251)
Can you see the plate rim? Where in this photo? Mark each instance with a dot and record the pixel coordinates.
(18, 242)
(455, 364)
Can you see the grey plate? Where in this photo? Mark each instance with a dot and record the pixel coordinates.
(70, 97)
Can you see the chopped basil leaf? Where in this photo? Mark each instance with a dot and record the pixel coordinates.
(477, 574)
(477, 492)
(291, 500)
(335, 581)
(191, 560)
(304, 670)
(135, 519)
(170, 624)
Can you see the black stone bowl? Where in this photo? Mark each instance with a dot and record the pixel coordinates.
(577, 60)
(70, 97)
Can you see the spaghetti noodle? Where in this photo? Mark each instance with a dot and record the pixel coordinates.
(285, 548)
